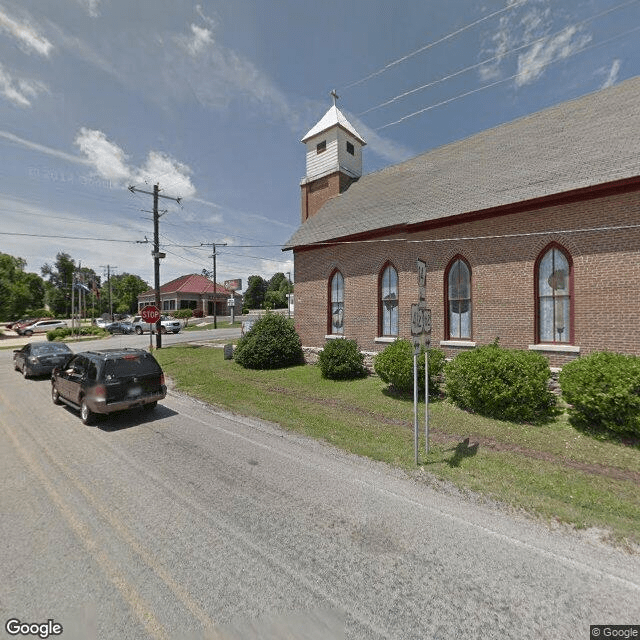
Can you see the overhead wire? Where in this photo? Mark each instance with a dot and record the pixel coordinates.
(433, 44)
(503, 80)
(499, 56)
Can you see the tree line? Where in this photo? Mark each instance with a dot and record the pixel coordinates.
(24, 294)
(267, 294)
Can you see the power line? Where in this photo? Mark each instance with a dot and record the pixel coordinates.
(503, 80)
(492, 59)
(432, 44)
(528, 234)
(37, 235)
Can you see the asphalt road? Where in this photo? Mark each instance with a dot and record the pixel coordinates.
(195, 523)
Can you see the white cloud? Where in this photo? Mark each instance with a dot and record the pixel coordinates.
(613, 74)
(534, 25)
(200, 39)
(383, 147)
(501, 43)
(19, 91)
(34, 146)
(216, 75)
(531, 65)
(109, 160)
(271, 267)
(26, 35)
(172, 175)
(91, 7)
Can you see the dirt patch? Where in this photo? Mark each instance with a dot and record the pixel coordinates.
(477, 441)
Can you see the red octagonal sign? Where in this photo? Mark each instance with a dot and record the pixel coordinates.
(150, 314)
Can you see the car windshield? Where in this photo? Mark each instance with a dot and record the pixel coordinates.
(46, 349)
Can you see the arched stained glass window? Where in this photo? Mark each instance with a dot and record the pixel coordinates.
(337, 304)
(459, 299)
(388, 300)
(554, 297)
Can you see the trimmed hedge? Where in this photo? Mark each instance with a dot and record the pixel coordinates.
(603, 390)
(61, 334)
(272, 343)
(394, 365)
(501, 383)
(342, 360)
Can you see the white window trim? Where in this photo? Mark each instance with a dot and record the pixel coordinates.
(560, 348)
(386, 339)
(457, 343)
(335, 336)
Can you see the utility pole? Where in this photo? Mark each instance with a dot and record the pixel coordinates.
(156, 248)
(108, 267)
(215, 282)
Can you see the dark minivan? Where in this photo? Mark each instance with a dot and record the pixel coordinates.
(100, 382)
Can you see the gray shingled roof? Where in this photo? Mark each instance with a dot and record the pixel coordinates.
(588, 141)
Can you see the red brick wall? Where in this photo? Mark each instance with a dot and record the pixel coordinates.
(606, 277)
(315, 194)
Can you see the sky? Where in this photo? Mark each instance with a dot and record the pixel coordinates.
(210, 100)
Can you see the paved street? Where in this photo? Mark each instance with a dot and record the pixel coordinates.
(195, 523)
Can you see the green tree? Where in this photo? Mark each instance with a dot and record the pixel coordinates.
(59, 277)
(277, 289)
(255, 293)
(19, 291)
(125, 289)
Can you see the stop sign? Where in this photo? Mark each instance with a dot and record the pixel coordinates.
(150, 314)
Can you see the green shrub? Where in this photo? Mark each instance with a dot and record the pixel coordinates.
(61, 334)
(272, 343)
(395, 367)
(604, 391)
(342, 360)
(39, 313)
(183, 314)
(501, 383)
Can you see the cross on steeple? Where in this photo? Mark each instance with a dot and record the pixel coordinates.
(335, 96)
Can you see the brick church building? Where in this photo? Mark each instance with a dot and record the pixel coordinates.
(530, 232)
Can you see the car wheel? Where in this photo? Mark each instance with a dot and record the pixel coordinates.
(86, 415)
(163, 330)
(25, 372)
(55, 396)
(139, 330)
(28, 333)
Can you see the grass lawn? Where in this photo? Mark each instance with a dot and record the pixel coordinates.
(552, 471)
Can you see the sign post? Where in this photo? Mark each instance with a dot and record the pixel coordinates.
(421, 335)
(151, 315)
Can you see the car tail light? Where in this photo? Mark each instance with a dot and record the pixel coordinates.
(162, 379)
(100, 392)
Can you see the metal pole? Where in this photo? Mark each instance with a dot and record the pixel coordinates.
(415, 406)
(215, 290)
(156, 260)
(426, 399)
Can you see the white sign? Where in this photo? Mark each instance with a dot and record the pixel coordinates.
(420, 319)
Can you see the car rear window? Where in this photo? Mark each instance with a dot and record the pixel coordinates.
(50, 348)
(132, 365)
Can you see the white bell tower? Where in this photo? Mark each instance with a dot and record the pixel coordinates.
(334, 159)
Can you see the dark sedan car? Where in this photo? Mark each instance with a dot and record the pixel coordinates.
(119, 327)
(40, 358)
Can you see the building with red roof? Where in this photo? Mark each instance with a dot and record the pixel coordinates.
(195, 292)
